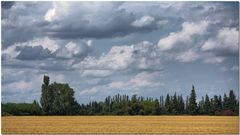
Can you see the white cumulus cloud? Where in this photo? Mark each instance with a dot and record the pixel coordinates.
(226, 40)
(73, 49)
(189, 29)
(143, 21)
(187, 56)
(142, 56)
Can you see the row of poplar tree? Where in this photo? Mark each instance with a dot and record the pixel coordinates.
(58, 99)
(170, 105)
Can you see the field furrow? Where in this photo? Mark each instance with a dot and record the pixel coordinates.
(120, 124)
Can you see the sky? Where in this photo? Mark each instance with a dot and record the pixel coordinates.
(104, 48)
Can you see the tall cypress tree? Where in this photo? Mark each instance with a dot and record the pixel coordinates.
(232, 100)
(207, 105)
(44, 98)
(201, 106)
(220, 102)
(180, 105)
(192, 102)
(168, 104)
(187, 105)
(175, 104)
(215, 103)
(156, 108)
(225, 102)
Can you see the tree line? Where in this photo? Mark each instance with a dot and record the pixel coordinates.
(58, 99)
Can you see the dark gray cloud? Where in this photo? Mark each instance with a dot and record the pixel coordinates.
(21, 22)
(72, 20)
(117, 23)
(28, 20)
(14, 34)
(33, 53)
(7, 4)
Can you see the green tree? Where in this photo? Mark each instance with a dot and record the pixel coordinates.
(226, 104)
(187, 106)
(156, 107)
(45, 96)
(36, 108)
(135, 106)
(201, 106)
(220, 106)
(236, 109)
(192, 102)
(207, 105)
(58, 99)
(232, 100)
(180, 107)
(168, 105)
(175, 104)
(216, 105)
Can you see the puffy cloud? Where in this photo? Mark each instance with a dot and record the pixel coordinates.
(33, 53)
(45, 42)
(40, 49)
(208, 45)
(189, 29)
(71, 20)
(141, 56)
(143, 21)
(35, 49)
(23, 22)
(104, 20)
(147, 57)
(220, 13)
(68, 20)
(73, 49)
(187, 56)
(49, 15)
(119, 57)
(145, 79)
(224, 44)
(10, 52)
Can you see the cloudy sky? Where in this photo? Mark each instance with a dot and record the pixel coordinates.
(105, 48)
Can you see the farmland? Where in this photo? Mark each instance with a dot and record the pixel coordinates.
(120, 124)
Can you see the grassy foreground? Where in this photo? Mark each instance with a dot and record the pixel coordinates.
(120, 124)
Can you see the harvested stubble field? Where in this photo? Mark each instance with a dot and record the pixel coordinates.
(120, 124)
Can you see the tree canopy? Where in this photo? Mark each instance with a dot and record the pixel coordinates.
(58, 99)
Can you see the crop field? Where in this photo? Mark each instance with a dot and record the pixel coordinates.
(120, 124)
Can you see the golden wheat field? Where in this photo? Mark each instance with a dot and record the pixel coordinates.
(120, 124)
